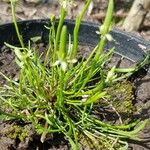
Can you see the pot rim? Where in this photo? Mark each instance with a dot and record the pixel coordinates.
(126, 44)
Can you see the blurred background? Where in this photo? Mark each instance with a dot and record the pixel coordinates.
(41, 9)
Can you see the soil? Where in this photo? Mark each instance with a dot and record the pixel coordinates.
(32, 142)
(58, 142)
(8, 67)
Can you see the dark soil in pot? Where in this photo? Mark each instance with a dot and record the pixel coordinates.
(31, 141)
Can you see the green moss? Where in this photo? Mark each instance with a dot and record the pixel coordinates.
(122, 97)
(16, 131)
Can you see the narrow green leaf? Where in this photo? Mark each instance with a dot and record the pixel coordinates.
(108, 18)
(95, 98)
(63, 44)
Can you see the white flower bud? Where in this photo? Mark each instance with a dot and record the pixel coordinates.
(84, 98)
(111, 74)
(109, 37)
(57, 62)
(64, 66)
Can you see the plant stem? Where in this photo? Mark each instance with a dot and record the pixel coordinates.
(61, 21)
(76, 29)
(105, 28)
(43, 136)
(15, 23)
(63, 44)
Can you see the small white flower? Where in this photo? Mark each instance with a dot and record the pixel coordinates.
(72, 61)
(111, 74)
(57, 62)
(97, 32)
(64, 66)
(109, 37)
(84, 98)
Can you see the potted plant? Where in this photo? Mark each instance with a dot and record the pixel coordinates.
(63, 99)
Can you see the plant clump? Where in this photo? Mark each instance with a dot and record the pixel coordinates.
(56, 95)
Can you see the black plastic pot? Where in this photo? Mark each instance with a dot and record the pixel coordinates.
(128, 45)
